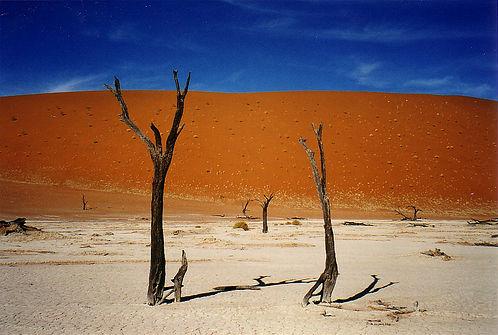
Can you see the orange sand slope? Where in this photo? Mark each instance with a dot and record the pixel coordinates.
(382, 150)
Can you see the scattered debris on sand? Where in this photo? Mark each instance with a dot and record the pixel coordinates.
(16, 226)
(394, 312)
(479, 244)
(419, 224)
(491, 221)
(353, 223)
(437, 253)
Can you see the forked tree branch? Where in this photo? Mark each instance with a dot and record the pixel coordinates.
(125, 117)
(268, 199)
(157, 136)
(176, 129)
(316, 174)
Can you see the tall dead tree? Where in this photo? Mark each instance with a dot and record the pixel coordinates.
(264, 204)
(161, 159)
(329, 276)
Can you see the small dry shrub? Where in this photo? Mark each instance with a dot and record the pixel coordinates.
(241, 224)
(294, 223)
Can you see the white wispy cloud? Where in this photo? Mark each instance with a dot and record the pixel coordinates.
(365, 74)
(429, 82)
(77, 83)
(449, 85)
(277, 23)
(124, 33)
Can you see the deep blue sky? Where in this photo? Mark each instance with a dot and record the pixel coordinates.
(440, 47)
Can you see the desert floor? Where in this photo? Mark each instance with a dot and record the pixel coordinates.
(90, 277)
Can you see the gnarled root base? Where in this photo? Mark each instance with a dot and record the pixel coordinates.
(327, 280)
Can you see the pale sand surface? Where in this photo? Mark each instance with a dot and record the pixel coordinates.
(68, 280)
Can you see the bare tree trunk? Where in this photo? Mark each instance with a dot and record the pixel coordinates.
(161, 161)
(265, 219)
(264, 204)
(157, 272)
(244, 210)
(329, 276)
(84, 202)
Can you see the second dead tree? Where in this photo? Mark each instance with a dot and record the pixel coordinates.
(329, 276)
(264, 204)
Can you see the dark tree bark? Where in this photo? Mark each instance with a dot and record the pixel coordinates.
(329, 276)
(161, 160)
(244, 210)
(84, 202)
(264, 204)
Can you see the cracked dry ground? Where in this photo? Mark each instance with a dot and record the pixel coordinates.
(80, 277)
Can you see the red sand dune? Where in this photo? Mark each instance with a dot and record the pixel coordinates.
(383, 150)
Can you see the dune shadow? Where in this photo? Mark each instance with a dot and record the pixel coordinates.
(231, 288)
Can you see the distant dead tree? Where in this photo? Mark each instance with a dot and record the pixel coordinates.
(264, 204)
(161, 159)
(329, 276)
(84, 202)
(244, 209)
(404, 217)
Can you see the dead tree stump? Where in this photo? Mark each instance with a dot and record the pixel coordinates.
(178, 279)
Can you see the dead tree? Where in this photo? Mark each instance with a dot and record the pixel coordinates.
(244, 210)
(415, 212)
(405, 217)
(329, 276)
(264, 204)
(84, 202)
(161, 159)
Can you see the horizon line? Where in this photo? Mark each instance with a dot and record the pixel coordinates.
(259, 92)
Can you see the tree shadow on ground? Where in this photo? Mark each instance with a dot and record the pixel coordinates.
(231, 288)
(370, 289)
